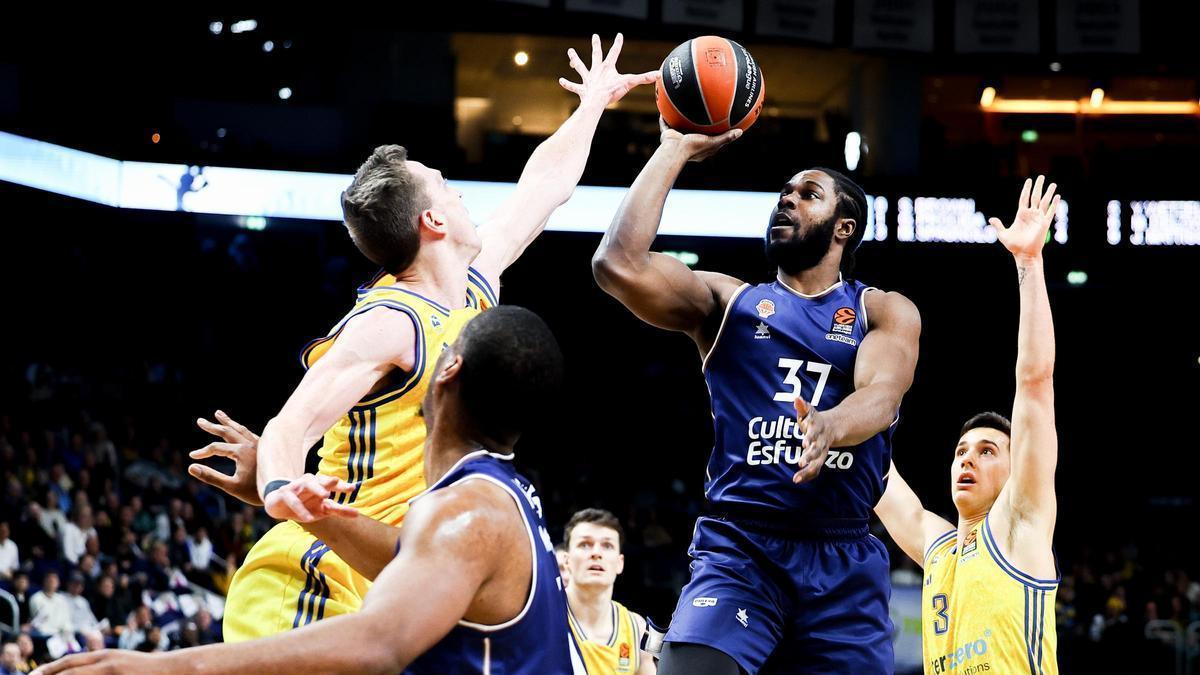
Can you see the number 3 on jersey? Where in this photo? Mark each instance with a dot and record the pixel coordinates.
(941, 620)
(793, 366)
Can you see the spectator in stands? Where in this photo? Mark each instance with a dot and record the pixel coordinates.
(10, 558)
(27, 662)
(76, 533)
(111, 604)
(51, 616)
(137, 627)
(83, 620)
(49, 516)
(10, 659)
(20, 591)
(208, 631)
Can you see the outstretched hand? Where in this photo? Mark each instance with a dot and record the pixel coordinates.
(1035, 213)
(601, 81)
(697, 147)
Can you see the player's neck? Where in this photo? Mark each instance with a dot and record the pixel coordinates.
(439, 274)
(591, 605)
(448, 443)
(814, 280)
(967, 522)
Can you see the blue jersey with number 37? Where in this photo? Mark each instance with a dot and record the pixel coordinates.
(775, 344)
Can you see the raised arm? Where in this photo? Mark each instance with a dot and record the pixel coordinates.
(368, 348)
(1029, 493)
(659, 289)
(554, 168)
(452, 545)
(906, 520)
(883, 372)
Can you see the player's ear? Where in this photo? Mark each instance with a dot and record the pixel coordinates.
(845, 228)
(432, 222)
(450, 369)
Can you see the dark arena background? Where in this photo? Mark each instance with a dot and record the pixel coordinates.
(134, 302)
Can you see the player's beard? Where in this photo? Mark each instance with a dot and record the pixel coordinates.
(801, 252)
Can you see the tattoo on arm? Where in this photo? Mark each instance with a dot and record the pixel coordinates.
(1021, 272)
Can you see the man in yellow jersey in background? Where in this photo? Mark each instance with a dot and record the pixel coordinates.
(989, 583)
(609, 635)
(366, 378)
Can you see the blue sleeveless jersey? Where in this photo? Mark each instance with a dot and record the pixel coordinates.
(538, 640)
(775, 344)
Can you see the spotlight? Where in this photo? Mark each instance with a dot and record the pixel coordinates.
(521, 58)
(285, 93)
(988, 97)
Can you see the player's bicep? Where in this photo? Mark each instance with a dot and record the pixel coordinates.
(888, 353)
(663, 292)
(368, 348)
(1034, 448)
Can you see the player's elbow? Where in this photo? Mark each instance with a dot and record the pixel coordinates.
(1032, 377)
(609, 268)
(381, 654)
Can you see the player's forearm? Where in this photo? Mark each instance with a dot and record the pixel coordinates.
(1035, 335)
(557, 164)
(626, 244)
(864, 413)
(349, 644)
(365, 544)
(281, 452)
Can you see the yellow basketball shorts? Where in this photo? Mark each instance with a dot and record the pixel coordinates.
(290, 579)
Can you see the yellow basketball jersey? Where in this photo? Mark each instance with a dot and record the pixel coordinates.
(379, 445)
(621, 654)
(980, 614)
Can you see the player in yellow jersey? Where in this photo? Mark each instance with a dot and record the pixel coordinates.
(366, 378)
(609, 635)
(990, 581)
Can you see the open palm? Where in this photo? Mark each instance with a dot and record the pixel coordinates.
(601, 81)
(1035, 212)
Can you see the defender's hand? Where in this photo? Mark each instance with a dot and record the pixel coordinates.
(307, 499)
(601, 82)
(237, 443)
(817, 437)
(1035, 212)
(697, 147)
(107, 662)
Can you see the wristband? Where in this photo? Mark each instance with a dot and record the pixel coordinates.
(273, 486)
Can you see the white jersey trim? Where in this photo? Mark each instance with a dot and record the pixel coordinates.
(491, 628)
(724, 319)
(806, 296)
(862, 301)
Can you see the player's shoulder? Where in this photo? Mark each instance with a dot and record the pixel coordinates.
(468, 512)
(890, 307)
(722, 286)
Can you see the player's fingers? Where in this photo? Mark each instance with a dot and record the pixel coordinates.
(235, 425)
(570, 86)
(577, 63)
(1053, 206)
(810, 466)
(215, 429)
(996, 225)
(634, 80)
(334, 484)
(802, 407)
(215, 448)
(293, 503)
(72, 661)
(207, 474)
(1048, 197)
(597, 51)
(1024, 201)
(333, 508)
(1036, 197)
(615, 50)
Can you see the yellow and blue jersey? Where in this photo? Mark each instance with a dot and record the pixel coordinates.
(620, 654)
(980, 614)
(378, 446)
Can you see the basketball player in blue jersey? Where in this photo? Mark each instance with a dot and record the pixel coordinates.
(784, 575)
(470, 584)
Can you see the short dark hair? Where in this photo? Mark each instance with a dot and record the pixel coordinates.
(988, 420)
(599, 517)
(381, 208)
(511, 370)
(852, 203)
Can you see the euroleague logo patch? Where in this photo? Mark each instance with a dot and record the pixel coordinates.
(843, 326)
(765, 308)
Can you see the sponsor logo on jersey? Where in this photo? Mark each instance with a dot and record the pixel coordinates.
(970, 546)
(437, 323)
(623, 653)
(765, 308)
(762, 331)
(969, 658)
(743, 618)
(778, 441)
(843, 326)
(704, 602)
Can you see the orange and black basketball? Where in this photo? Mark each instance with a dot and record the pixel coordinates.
(710, 85)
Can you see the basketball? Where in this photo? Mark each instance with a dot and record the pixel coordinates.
(710, 85)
